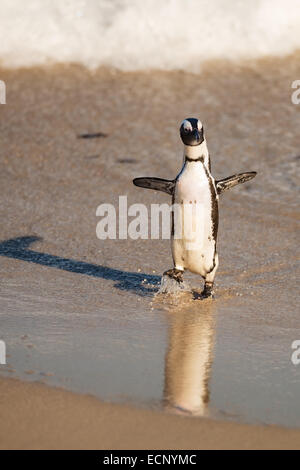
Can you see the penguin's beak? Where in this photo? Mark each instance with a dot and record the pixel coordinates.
(196, 136)
(192, 138)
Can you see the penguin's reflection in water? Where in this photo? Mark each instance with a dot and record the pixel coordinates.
(189, 358)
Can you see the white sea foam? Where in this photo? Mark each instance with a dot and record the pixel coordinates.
(143, 34)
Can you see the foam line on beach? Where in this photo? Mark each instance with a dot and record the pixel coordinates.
(135, 35)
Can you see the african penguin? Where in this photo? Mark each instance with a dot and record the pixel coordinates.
(195, 218)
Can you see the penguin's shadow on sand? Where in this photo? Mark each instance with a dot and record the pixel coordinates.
(18, 248)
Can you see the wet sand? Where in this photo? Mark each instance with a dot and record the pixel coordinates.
(81, 313)
(39, 417)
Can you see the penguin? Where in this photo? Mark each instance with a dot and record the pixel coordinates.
(195, 195)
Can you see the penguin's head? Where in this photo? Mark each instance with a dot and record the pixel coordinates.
(191, 132)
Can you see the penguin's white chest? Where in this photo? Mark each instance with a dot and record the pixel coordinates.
(193, 245)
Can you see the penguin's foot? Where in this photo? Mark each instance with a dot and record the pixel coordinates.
(174, 273)
(172, 282)
(208, 290)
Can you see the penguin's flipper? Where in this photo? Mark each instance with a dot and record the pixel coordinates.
(231, 181)
(158, 184)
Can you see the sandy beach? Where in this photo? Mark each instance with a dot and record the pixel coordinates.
(82, 314)
(39, 417)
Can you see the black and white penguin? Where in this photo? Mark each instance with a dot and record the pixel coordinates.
(195, 196)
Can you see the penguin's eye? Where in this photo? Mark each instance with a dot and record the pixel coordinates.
(186, 127)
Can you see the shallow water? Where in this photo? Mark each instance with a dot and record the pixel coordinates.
(170, 286)
(83, 313)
